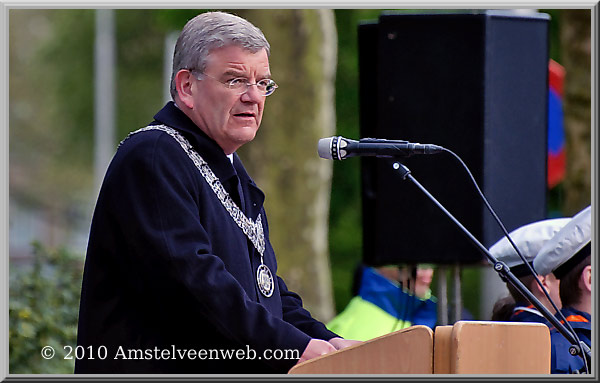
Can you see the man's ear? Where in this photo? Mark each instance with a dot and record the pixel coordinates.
(586, 277)
(183, 83)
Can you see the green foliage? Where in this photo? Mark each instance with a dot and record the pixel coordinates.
(140, 56)
(43, 310)
(554, 33)
(175, 18)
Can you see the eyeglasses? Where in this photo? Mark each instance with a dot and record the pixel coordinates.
(241, 85)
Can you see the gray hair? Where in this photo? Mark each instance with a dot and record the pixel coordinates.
(209, 31)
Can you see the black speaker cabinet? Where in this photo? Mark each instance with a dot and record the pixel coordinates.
(476, 84)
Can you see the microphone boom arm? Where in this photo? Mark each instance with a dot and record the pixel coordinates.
(504, 272)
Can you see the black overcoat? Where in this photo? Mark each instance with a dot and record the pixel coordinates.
(167, 268)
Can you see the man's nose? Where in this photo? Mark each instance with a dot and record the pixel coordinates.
(252, 94)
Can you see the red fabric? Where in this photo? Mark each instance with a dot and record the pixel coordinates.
(556, 168)
(556, 76)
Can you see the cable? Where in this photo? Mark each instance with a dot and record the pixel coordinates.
(491, 210)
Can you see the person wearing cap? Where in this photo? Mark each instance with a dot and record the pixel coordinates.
(529, 239)
(568, 256)
(388, 298)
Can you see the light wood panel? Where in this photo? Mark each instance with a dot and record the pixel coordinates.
(407, 351)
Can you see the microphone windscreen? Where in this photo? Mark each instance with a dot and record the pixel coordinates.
(325, 148)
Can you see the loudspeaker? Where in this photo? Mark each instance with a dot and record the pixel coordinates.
(476, 84)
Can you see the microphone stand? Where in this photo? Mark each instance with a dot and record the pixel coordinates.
(504, 272)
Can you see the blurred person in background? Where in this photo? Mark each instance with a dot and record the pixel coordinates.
(179, 256)
(568, 256)
(387, 298)
(529, 239)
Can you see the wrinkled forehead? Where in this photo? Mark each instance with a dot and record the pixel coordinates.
(238, 58)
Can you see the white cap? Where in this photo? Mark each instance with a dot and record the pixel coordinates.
(529, 240)
(568, 247)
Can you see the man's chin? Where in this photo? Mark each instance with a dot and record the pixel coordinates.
(245, 134)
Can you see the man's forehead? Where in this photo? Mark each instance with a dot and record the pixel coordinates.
(237, 59)
(236, 52)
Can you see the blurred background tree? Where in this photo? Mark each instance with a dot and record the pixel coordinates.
(303, 62)
(575, 41)
(51, 118)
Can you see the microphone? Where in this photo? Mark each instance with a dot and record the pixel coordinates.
(340, 148)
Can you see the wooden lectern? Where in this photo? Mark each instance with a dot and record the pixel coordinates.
(468, 347)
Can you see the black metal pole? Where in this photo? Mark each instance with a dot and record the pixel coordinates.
(580, 349)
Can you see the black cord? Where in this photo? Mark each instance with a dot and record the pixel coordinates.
(491, 210)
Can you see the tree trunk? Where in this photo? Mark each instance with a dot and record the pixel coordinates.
(283, 157)
(575, 39)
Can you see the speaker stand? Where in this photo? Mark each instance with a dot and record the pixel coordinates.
(456, 293)
(442, 295)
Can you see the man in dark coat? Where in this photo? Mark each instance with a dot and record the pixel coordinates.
(180, 276)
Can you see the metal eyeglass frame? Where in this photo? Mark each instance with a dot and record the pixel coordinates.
(240, 80)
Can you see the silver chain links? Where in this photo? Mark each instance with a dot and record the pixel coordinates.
(253, 230)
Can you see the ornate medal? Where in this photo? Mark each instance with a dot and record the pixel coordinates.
(264, 278)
